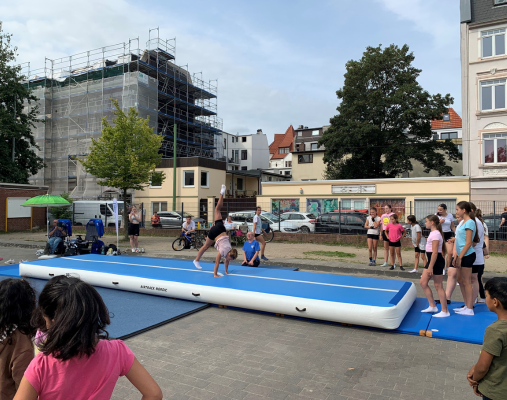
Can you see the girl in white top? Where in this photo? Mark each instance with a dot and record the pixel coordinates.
(257, 229)
(229, 224)
(373, 226)
(418, 241)
(434, 267)
(448, 228)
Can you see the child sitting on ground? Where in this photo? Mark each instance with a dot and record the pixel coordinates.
(251, 250)
(487, 377)
(17, 302)
(76, 359)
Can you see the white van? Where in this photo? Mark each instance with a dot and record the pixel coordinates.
(84, 210)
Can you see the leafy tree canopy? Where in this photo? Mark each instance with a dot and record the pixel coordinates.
(16, 123)
(126, 153)
(384, 120)
(62, 212)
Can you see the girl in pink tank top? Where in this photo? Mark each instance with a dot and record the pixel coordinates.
(77, 360)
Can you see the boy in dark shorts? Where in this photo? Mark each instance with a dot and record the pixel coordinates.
(487, 377)
(218, 235)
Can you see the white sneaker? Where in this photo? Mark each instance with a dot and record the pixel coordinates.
(465, 311)
(443, 272)
(442, 314)
(385, 265)
(460, 309)
(197, 265)
(133, 250)
(430, 309)
(413, 271)
(11, 261)
(222, 191)
(480, 300)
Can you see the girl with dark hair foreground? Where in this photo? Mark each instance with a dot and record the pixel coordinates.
(76, 359)
(17, 302)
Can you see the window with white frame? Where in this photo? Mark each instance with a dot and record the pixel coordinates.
(493, 43)
(188, 178)
(300, 133)
(446, 117)
(283, 150)
(316, 133)
(314, 146)
(495, 148)
(244, 155)
(493, 94)
(204, 179)
(500, 2)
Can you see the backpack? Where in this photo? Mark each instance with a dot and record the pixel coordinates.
(96, 246)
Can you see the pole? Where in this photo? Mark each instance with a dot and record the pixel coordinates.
(340, 217)
(279, 216)
(174, 166)
(13, 138)
(182, 215)
(494, 220)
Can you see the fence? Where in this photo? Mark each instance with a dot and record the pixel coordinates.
(324, 216)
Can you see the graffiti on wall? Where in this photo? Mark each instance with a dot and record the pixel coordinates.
(398, 207)
(320, 206)
(279, 206)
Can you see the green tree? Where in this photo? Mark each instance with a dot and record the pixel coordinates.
(125, 155)
(384, 120)
(15, 123)
(62, 212)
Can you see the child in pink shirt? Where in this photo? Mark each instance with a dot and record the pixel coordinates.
(77, 360)
(395, 231)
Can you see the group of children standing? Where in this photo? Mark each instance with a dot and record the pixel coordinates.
(75, 359)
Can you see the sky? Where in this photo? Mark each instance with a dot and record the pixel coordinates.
(277, 62)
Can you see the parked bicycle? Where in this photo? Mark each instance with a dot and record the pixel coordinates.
(188, 241)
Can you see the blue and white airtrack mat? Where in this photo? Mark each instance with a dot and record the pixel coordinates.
(378, 303)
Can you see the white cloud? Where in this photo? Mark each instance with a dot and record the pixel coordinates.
(437, 18)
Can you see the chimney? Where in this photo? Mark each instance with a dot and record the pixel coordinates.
(259, 131)
(300, 127)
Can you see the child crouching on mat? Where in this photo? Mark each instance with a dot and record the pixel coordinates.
(487, 377)
(218, 235)
(76, 359)
(17, 303)
(436, 252)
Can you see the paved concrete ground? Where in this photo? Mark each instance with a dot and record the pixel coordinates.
(226, 354)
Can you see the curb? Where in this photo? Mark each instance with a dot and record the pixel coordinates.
(22, 245)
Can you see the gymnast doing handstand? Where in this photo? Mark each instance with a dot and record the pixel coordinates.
(218, 235)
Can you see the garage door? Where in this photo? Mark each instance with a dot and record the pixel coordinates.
(425, 207)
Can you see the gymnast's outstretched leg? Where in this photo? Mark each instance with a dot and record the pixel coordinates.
(213, 232)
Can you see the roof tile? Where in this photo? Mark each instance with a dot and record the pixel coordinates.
(285, 140)
(455, 121)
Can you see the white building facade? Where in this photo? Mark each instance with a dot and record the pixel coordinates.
(483, 79)
(246, 152)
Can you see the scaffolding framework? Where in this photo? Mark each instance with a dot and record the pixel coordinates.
(74, 94)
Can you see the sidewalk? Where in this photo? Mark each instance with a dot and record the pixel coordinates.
(305, 256)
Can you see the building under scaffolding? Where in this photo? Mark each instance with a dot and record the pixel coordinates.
(75, 94)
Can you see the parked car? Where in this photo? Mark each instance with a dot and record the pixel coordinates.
(298, 221)
(241, 217)
(173, 219)
(345, 223)
(425, 231)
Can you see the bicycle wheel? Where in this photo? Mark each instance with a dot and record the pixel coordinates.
(268, 237)
(199, 242)
(179, 244)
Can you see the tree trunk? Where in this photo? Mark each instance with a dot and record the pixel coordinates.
(125, 215)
